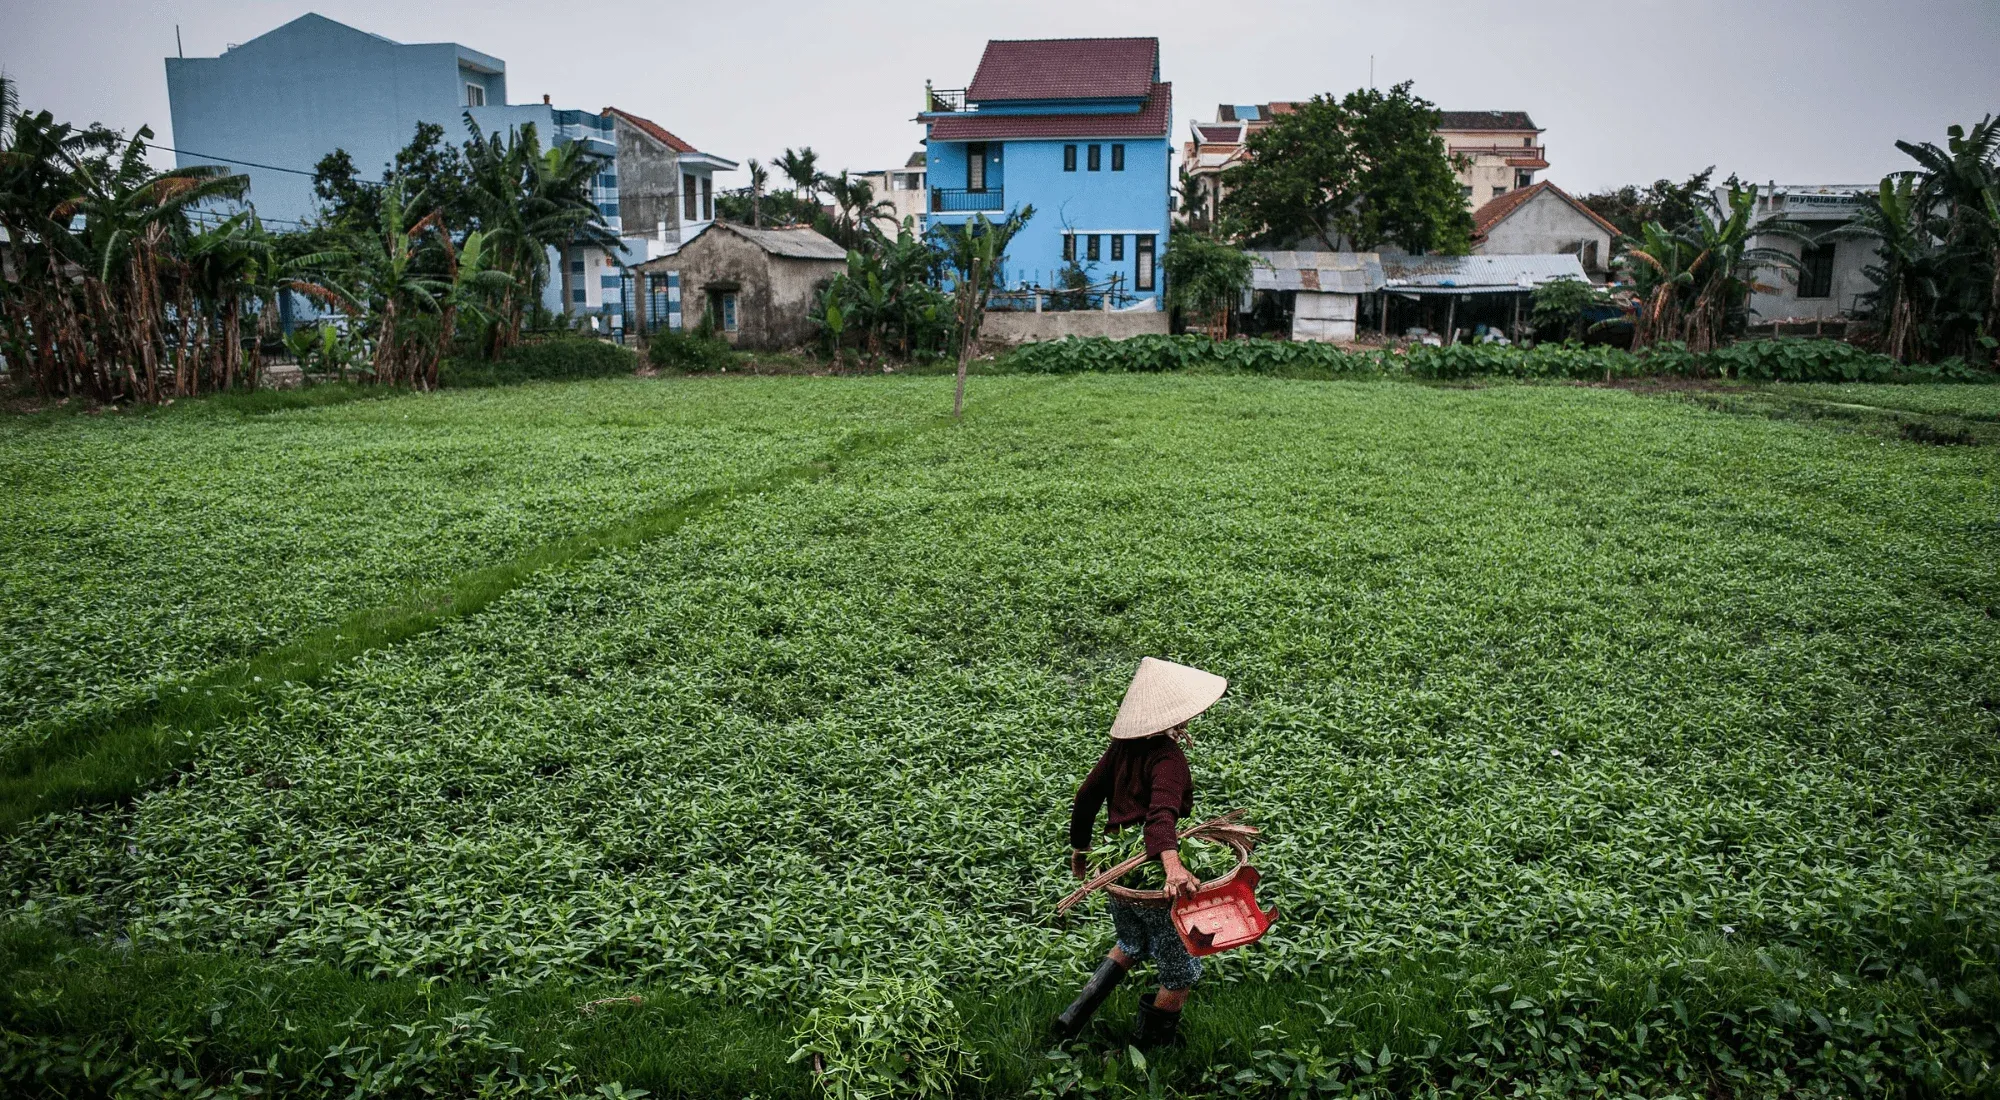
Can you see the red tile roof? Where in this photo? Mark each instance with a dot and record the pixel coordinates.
(1496, 211)
(1066, 68)
(1152, 120)
(1487, 120)
(653, 130)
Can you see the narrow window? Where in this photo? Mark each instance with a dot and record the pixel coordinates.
(1069, 158)
(729, 311)
(1816, 271)
(475, 96)
(1117, 158)
(1528, 142)
(1118, 246)
(1090, 243)
(1096, 158)
(688, 198)
(1142, 273)
(708, 198)
(975, 166)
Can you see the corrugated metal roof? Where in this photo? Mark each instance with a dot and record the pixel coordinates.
(1326, 272)
(1479, 274)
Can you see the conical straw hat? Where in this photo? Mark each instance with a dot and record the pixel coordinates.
(1162, 696)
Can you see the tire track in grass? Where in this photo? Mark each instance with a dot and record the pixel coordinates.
(112, 756)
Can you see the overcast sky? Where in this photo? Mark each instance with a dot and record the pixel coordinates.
(1794, 91)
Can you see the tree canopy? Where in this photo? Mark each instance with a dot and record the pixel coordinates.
(1674, 205)
(1365, 170)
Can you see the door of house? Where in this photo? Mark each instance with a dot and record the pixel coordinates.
(722, 311)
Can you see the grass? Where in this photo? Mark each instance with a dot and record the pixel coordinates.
(1567, 711)
(144, 550)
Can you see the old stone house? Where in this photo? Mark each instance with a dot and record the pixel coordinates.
(752, 287)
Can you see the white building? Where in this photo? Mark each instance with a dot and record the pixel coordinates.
(1831, 277)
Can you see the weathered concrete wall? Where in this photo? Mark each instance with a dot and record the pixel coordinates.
(1851, 259)
(1029, 328)
(1545, 225)
(773, 293)
(649, 179)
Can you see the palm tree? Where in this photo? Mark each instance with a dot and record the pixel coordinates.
(856, 210)
(760, 176)
(802, 168)
(530, 200)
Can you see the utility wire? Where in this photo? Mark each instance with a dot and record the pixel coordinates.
(247, 163)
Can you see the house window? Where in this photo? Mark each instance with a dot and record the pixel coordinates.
(1096, 158)
(1069, 247)
(1142, 269)
(1117, 158)
(578, 296)
(607, 180)
(1499, 191)
(975, 166)
(725, 310)
(1466, 192)
(688, 197)
(708, 198)
(1524, 179)
(1090, 246)
(608, 209)
(1816, 271)
(475, 96)
(1117, 244)
(1528, 142)
(1069, 158)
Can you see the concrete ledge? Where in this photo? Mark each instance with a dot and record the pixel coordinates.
(1012, 327)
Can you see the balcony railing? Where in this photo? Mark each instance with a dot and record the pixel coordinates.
(946, 200)
(943, 99)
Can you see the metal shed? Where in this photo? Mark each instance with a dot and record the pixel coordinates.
(1490, 290)
(1326, 288)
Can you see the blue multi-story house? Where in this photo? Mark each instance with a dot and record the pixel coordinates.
(271, 107)
(1077, 127)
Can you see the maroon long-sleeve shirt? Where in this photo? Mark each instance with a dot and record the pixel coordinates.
(1144, 779)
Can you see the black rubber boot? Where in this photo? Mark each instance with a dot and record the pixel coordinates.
(1073, 1019)
(1157, 1026)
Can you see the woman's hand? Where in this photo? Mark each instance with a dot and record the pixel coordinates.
(1181, 882)
(1079, 863)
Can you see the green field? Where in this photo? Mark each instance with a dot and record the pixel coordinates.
(1606, 743)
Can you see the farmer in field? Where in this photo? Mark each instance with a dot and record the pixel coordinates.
(1143, 777)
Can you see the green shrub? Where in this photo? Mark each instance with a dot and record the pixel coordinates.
(886, 1036)
(1763, 361)
(558, 358)
(693, 352)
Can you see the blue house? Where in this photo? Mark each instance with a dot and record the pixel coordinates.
(271, 107)
(1077, 127)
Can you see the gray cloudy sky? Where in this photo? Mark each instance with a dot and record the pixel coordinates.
(1797, 91)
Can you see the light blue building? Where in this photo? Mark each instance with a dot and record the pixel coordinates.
(271, 107)
(1077, 127)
